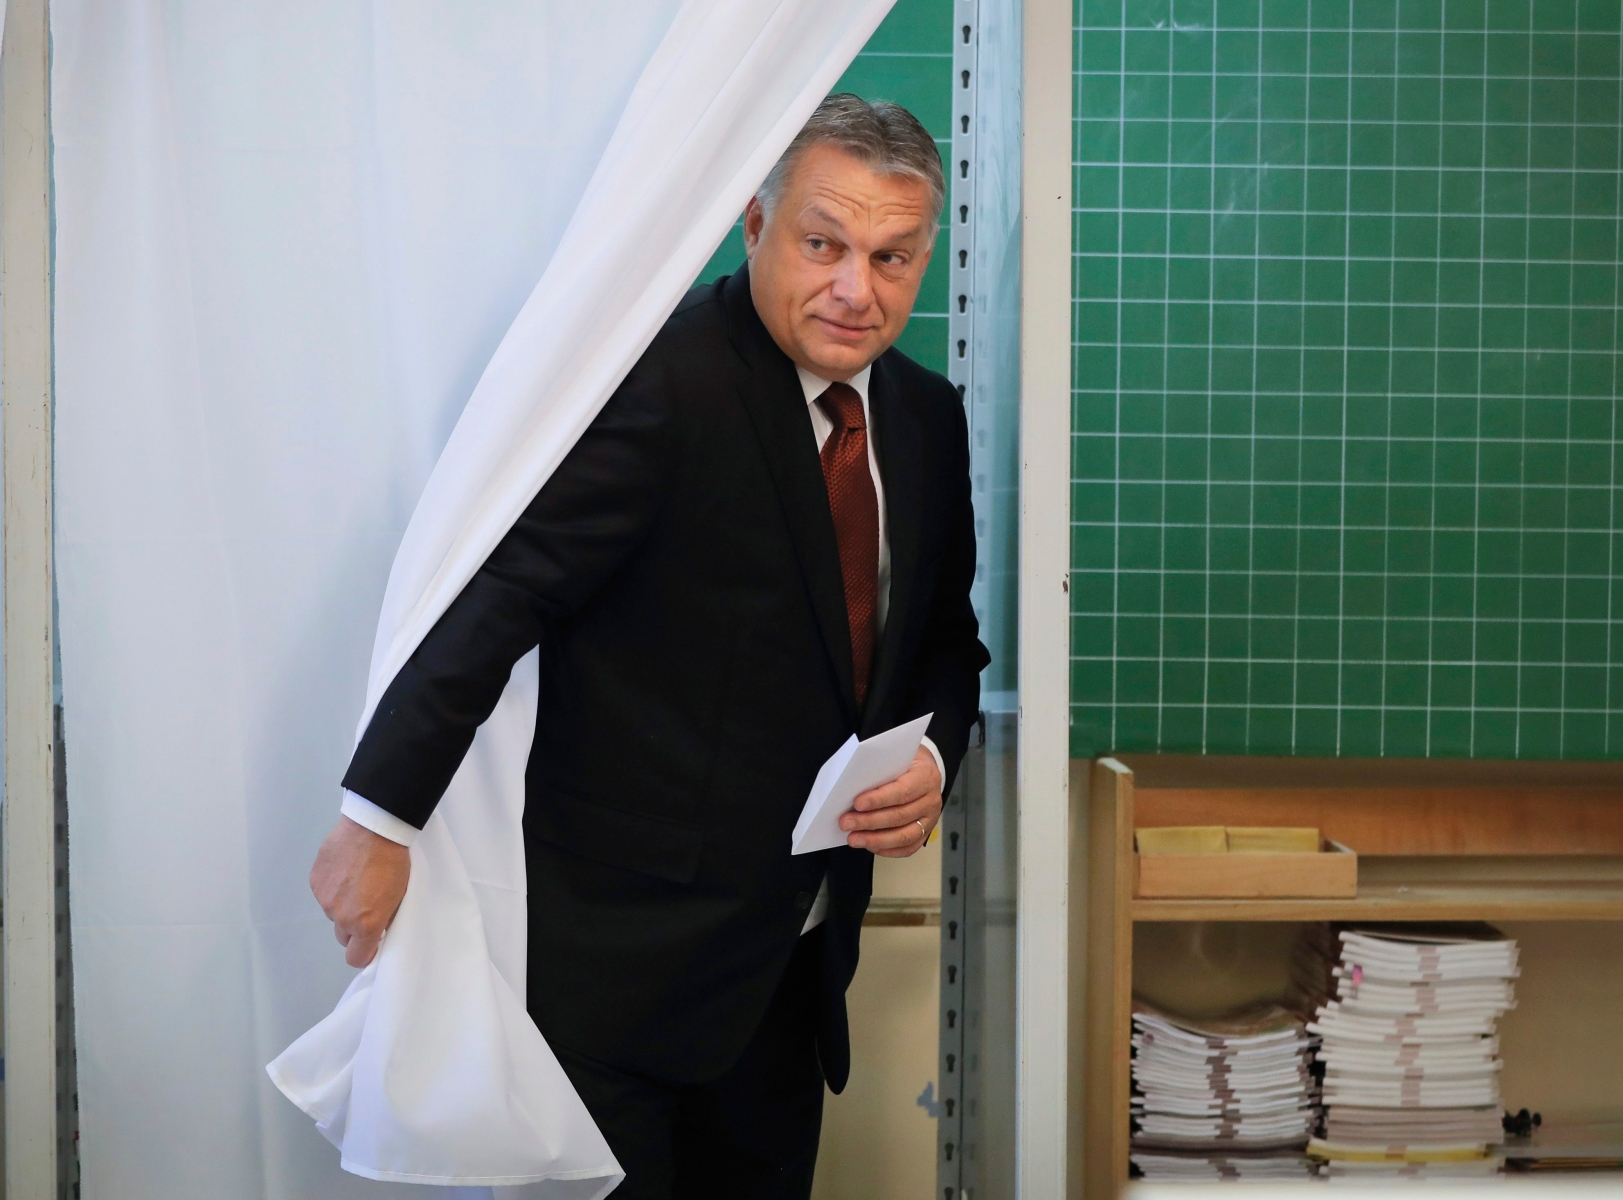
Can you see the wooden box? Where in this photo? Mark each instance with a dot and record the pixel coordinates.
(1331, 874)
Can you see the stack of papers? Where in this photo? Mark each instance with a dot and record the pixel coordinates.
(1340, 1171)
(1223, 1098)
(1259, 1166)
(1411, 1060)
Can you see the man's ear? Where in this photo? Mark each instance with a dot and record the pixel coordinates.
(754, 222)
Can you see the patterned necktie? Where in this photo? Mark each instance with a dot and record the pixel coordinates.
(855, 507)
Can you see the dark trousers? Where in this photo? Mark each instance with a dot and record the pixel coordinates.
(749, 1135)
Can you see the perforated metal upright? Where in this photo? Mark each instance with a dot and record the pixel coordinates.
(962, 916)
(956, 1139)
(961, 244)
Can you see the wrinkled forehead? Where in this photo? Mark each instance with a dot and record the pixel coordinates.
(840, 189)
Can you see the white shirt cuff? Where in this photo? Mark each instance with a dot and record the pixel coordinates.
(385, 824)
(941, 767)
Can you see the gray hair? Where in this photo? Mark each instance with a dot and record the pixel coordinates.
(883, 136)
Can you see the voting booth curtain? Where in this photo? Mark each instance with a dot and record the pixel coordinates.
(292, 238)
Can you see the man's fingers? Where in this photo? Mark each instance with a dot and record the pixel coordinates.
(899, 841)
(909, 786)
(925, 809)
(361, 949)
(891, 828)
(358, 929)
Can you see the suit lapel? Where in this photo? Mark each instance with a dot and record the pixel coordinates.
(777, 408)
(898, 447)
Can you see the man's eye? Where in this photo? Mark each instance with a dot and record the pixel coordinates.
(816, 243)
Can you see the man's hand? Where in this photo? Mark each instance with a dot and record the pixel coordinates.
(894, 820)
(359, 880)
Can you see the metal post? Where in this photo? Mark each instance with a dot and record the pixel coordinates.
(952, 1148)
(961, 221)
(955, 1180)
(29, 847)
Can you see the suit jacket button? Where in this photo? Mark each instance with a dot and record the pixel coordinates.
(803, 900)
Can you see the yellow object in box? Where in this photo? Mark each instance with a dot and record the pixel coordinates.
(1183, 839)
(1269, 839)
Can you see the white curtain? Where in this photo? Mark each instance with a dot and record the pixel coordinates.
(290, 236)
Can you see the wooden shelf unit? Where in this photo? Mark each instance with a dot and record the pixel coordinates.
(1436, 842)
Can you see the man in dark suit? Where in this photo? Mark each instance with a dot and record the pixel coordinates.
(763, 544)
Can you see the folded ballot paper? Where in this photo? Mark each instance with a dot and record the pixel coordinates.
(853, 769)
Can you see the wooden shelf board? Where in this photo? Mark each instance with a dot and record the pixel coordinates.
(903, 910)
(1497, 901)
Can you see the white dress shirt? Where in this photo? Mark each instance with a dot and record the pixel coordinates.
(363, 812)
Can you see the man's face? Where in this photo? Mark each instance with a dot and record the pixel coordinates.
(835, 269)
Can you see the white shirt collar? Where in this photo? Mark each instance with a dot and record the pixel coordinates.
(814, 385)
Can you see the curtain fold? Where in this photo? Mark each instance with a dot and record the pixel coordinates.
(290, 235)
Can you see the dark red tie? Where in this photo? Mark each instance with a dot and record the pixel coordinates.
(855, 506)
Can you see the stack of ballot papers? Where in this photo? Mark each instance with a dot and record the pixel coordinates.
(1410, 1057)
(1222, 1098)
(1257, 1167)
(1462, 1171)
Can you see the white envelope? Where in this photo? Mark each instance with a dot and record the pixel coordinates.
(853, 769)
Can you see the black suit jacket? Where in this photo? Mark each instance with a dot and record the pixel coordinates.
(680, 573)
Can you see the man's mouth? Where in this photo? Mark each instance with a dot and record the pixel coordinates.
(841, 330)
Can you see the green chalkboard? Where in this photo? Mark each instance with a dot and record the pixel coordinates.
(908, 60)
(1346, 391)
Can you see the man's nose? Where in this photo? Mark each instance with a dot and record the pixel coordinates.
(853, 282)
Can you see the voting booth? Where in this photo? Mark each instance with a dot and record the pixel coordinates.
(257, 258)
